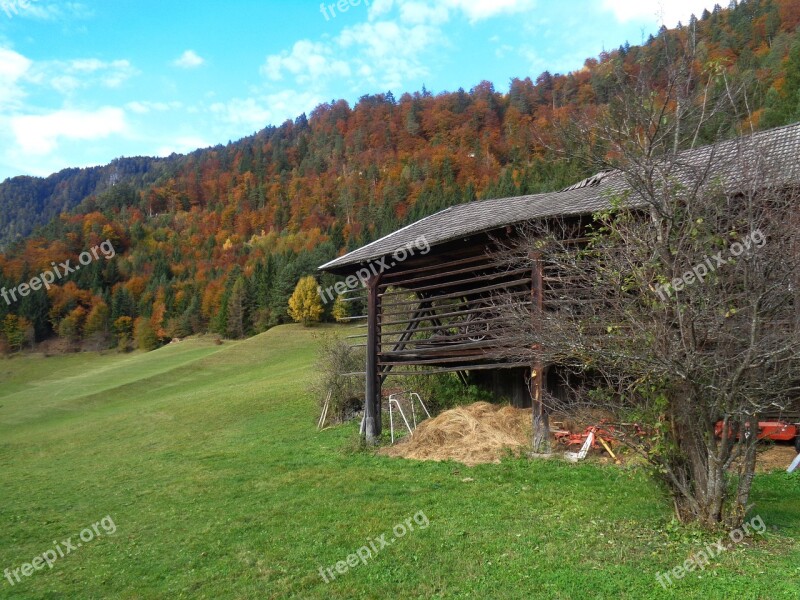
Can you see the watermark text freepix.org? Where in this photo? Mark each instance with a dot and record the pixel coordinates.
(60, 550)
(48, 278)
(702, 558)
(374, 268)
(700, 271)
(342, 5)
(367, 552)
(13, 7)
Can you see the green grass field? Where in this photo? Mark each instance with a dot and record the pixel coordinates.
(208, 461)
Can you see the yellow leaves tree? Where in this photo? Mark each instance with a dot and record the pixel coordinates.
(340, 310)
(15, 332)
(123, 329)
(305, 306)
(97, 319)
(158, 316)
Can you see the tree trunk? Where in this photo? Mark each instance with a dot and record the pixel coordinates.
(699, 481)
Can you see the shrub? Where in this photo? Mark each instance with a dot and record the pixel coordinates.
(145, 336)
(335, 359)
(445, 391)
(16, 332)
(340, 311)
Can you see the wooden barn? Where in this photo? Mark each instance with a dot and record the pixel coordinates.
(427, 283)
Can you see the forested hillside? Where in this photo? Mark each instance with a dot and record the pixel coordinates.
(30, 202)
(216, 240)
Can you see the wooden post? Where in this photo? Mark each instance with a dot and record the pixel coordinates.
(541, 420)
(372, 400)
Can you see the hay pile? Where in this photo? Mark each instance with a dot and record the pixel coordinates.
(474, 434)
(775, 457)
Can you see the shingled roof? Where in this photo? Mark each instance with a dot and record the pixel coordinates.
(776, 151)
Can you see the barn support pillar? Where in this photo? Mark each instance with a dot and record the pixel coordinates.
(372, 400)
(541, 420)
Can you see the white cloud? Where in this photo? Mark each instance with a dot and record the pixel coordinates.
(378, 8)
(45, 11)
(435, 12)
(183, 145)
(666, 12)
(387, 54)
(66, 76)
(502, 50)
(288, 104)
(307, 61)
(383, 54)
(415, 13)
(144, 107)
(40, 134)
(251, 114)
(396, 44)
(13, 67)
(188, 60)
(478, 10)
(248, 113)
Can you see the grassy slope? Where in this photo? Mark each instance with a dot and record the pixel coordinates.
(208, 460)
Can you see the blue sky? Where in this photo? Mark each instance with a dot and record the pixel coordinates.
(84, 82)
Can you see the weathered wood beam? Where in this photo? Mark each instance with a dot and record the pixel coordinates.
(439, 275)
(372, 401)
(540, 417)
(466, 283)
(480, 367)
(441, 325)
(455, 340)
(390, 276)
(460, 293)
(464, 359)
(526, 293)
(440, 349)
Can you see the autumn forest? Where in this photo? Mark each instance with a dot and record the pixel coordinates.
(217, 240)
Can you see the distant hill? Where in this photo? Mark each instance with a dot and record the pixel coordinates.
(30, 202)
(218, 238)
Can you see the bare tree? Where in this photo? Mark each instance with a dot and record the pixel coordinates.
(679, 305)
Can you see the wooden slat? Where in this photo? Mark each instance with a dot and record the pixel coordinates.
(507, 284)
(449, 314)
(444, 349)
(456, 369)
(435, 265)
(359, 289)
(439, 327)
(406, 282)
(409, 331)
(457, 283)
(464, 360)
(448, 326)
